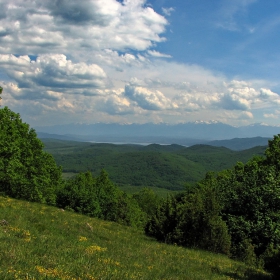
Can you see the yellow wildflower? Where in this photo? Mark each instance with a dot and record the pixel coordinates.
(82, 238)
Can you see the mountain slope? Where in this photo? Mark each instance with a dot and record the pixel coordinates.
(164, 166)
(42, 242)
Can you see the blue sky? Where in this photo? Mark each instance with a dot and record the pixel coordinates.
(237, 38)
(137, 61)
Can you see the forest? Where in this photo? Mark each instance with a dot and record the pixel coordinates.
(234, 211)
(155, 166)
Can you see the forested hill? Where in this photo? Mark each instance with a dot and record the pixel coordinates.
(164, 166)
(236, 144)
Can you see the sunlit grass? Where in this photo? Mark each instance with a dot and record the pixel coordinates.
(41, 242)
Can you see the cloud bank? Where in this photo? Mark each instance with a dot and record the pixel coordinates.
(97, 60)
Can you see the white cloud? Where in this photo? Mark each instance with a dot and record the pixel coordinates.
(97, 60)
(271, 116)
(268, 94)
(115, 103)
(234, 102)
(246, 116)
(158, 54)
(171, 91)
(168, 11)
(50, 26)
(52, 71)
(147, 99)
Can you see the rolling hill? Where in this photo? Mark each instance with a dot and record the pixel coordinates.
(163, 166)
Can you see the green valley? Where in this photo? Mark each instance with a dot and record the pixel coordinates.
(159, 166)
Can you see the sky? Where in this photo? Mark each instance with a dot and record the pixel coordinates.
(137, 61)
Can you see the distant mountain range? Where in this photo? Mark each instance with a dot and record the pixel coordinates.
(183, 134)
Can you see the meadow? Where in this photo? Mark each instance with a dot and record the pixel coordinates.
(44, 242)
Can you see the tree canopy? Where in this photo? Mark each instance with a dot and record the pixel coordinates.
(26, 171)
(236, 211)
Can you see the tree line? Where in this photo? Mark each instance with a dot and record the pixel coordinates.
(234, 212)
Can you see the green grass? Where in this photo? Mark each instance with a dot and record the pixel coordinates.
(42, 242)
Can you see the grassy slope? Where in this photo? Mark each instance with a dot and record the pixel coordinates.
(41, 242)
(167, 167)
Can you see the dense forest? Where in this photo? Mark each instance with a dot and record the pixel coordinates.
(162, 166)
(235, 211)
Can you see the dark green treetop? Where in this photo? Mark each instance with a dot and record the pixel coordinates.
(26, 171)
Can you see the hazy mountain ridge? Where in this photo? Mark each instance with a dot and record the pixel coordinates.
(159, 133)
(236, 144)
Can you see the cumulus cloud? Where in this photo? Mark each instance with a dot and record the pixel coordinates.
(52, 71)
(246, 115)
(50, 26)
(233, 102)
(146, 99)
(83, 12)
(268, 94)
(115, 103)
(97, 60)
(57, 71)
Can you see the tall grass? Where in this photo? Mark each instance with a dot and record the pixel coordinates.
(42, 242)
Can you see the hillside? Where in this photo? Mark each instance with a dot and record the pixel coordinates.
(162, 166)
(42, 242)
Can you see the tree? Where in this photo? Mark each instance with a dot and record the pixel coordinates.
(147, 200)
(191, 219)
(273, 152)
(1, 90)
(79, 194)
(252, 207)
(26, 171)
(99, 197)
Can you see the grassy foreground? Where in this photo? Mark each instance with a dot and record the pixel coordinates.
(42, 242)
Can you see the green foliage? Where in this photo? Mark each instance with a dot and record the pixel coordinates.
(191, 219)
(99, 197)
(169, 166)
(252, 205)
(249, 195)
(147, 200)
(26, 171)
(163, 223)
(80, 195)
(273, 152)
(236, 211)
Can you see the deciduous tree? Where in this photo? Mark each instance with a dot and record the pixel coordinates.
(26, 171)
